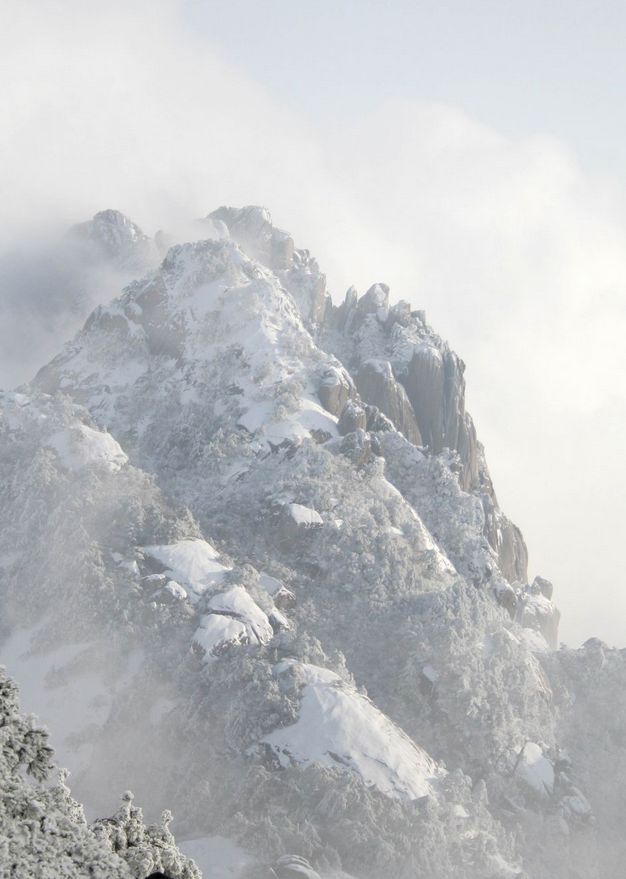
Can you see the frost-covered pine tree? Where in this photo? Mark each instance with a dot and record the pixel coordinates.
(43, 831)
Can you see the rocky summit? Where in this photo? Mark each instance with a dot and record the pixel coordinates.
(253, 566)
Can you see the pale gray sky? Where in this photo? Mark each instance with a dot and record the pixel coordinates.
(471, 154)
(522, 66)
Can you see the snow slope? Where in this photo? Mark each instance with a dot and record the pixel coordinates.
(336, 726)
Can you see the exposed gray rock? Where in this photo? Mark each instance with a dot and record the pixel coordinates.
(400, 313)
(425, 386)
(353, 417)
(512, 551)
(435, 386)
(375, 301)
(335, 390)
(507, 597)
(357, 446)
(504, 536)
(377, 420)
(307, 285)
(339, 317)
(377, 385)
(545, 587)
(413, 378)
(397, 554)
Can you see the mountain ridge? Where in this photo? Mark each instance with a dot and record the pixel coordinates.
(309, 539)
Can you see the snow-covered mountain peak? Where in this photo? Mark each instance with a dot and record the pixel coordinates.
(210, 317)
(219, 341)
(112, 237)
(340, 604)
(252, 228)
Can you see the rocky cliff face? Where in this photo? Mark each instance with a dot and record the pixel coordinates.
(398, 363)
(405, 369)
(285, 510)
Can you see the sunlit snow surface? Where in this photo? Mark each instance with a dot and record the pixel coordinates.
(304, 515)
(238, 603)
(536, 770)
(81, 446)
(234, 618)
(190, 562)
(216, 303)
(338, 727)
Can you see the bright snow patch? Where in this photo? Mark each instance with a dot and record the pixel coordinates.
(191, 562)
(304, 515)
(175, 589)
(234, 619)
(430, 672)
(237, 602)
(81, 446)
(536, 770)
(259, 418)
(339, 727)
(216, 632)
(275, 588)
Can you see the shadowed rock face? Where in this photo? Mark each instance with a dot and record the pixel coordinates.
(512, 552)
(335, 390)
(377, 385)
(353, 417)
(435, 386)
(408, 372)
(412, 377)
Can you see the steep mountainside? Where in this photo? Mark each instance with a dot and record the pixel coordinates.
(289, 575)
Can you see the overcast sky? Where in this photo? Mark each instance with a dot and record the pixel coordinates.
(472, 156)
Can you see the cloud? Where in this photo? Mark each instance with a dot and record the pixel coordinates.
(118, 104)
(518, 255)
(520, 259)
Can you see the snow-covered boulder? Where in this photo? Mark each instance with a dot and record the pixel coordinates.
(339, 727)
(193, 563)
(82, 445)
